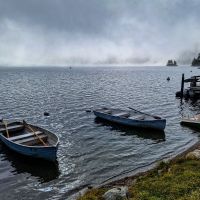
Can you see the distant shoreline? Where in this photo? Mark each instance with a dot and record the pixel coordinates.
(85, 65)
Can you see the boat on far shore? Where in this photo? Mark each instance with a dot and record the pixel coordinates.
(132, 117)
(29, 140)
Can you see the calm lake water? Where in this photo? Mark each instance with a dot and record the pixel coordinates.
(90, 151)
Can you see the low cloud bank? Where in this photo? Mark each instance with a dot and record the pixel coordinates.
(100, 33)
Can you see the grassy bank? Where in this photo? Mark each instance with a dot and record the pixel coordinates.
(178, 179)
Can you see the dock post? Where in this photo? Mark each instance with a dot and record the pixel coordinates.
(182, 86)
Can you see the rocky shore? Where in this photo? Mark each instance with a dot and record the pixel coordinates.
(173, 178)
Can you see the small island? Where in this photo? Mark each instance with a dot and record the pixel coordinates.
(196, 61)
(171, 63)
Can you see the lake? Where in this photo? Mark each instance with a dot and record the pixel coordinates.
(90, 150)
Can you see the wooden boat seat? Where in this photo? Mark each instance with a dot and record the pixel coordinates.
(107, 111)
(12, 128)
(31, 141)
(141, 117)
(26, 135)
(122, 114)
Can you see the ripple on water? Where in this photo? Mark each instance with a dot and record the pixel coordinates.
(90, 151)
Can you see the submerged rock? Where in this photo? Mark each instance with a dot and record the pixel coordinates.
(118, 193)
(194, 155)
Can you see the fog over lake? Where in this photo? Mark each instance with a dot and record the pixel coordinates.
(94, 32)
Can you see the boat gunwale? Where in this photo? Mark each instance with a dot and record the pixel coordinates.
(147, 120)
(36, 147)
(189, 121)
(155, 124)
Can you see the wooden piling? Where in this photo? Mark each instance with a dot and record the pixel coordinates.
(182, 85)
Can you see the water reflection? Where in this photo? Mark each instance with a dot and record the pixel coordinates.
(189, 108)
(44, 170)
(89, 153)
(195, 103)
(140, 132)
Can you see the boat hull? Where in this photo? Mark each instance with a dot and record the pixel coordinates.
(43, 152)
(47, 153)
(158, 124)
(190, 123)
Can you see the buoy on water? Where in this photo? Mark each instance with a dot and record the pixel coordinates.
(46, 114)
(168, 78)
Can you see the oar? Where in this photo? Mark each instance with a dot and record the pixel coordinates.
(41, 140)
(156, 117)
(5, 124)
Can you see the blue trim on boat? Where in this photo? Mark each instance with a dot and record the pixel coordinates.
(158, 124)
(43, 152)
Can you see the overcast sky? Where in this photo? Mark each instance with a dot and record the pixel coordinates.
(73, 32)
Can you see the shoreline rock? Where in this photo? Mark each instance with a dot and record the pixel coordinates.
(116, 193)
(193, 155)
(131, 180)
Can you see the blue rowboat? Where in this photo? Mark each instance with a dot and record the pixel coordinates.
(132, 118)
(29, 140)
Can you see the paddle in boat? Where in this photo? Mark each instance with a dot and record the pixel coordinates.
(192, 121)
(131, 117)
(29, 140)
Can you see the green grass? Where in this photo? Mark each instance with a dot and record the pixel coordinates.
(93, 194)
(178, 180)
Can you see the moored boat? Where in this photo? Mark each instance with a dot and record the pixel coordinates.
(29, 140)
(132, 118)
(192, 121)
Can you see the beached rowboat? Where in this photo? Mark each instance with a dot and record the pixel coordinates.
(29, 140)
(131, 118)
